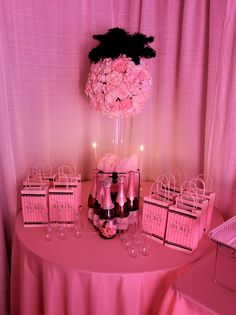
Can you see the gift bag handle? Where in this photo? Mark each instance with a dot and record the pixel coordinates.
(34, 171)
(172, 181)
(191, 188)
(45, 168)
(163, 182)
(201, 181)
(32, 178)
(208, 179)
(177, 174)
(67, 170)
(193, 197)
(59, 177)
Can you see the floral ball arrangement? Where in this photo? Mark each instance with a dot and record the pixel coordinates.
(119, 83)
(118, 88)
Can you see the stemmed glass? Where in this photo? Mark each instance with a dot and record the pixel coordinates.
(62, 231)
(144, 246)
(47, 228)
(133, 245)
(135, 241)
(77, 226)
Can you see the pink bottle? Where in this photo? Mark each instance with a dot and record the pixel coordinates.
(132, 200)
(107, 219)
(92, 196)
(121, 207)
(98, 202)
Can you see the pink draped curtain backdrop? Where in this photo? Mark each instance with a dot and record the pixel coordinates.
(188, 123)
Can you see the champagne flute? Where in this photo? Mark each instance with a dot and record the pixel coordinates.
(77, 227)
(144, 245)
(62, 233)
(133, 249)
(47, 229)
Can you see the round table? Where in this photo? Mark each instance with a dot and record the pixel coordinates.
(90, 275)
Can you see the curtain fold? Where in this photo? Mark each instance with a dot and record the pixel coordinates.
(188, 122)
(221, 114)
(8, 191)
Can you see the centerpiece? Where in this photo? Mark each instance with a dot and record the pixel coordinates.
(119, 82)
(118, 86)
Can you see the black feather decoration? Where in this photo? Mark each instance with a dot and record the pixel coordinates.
(118, 42)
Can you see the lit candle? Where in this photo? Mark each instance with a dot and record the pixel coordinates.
(95, 153)
(141, 158)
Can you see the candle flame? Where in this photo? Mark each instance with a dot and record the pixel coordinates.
(94, 144)
(141, 148)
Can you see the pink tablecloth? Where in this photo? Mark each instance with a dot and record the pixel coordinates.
(92, 276)
(196, 293)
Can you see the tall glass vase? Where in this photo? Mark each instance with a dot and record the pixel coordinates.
(118, 138)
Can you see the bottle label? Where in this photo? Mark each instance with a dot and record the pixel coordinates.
(133, 217)
(107, 227)
(90, 214)
(122, 223)
(96, 220)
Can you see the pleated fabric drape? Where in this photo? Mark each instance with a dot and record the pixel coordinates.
(188, 123)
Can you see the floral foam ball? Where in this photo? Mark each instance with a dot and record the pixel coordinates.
(118, 88)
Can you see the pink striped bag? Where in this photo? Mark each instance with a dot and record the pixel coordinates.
(155, 211)
(186, 221)
(34, 196)
(73, 181)
(62, 201)
(208, 194)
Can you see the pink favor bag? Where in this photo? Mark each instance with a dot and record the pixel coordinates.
(34, 199)
(155, 211)
(62, 201)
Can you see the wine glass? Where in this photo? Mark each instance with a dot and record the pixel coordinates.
(77, 227)
(126, 241)
(129, 242)
(133, 250)
(142, 240)
(47, 229)
(62, 232)
(144, 246)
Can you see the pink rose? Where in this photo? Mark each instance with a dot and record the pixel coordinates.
(102, 77)
(121, 92)
(111, 107)
(97, 86)
(120, 65)
(114, 78)
(95, 68)
(143, 75)
(126, 104)
(110, 97)
(107, 69)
